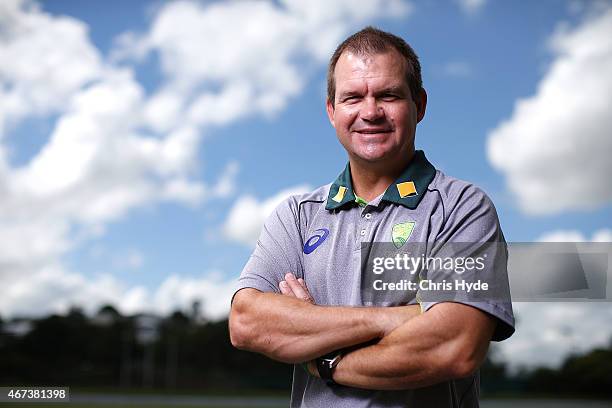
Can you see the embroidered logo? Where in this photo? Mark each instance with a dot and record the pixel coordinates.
(406, 189)
(340, 194)
(401, 232)
(316, 240)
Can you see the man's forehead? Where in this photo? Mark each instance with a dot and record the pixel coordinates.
(353, 66)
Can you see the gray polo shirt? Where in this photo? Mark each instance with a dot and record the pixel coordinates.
(321, 236)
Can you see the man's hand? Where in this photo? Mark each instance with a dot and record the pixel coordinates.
(291, 328)
(295, 288)
(448, 341)
(395, 316)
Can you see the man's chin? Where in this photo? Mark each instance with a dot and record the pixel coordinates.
(373, 157)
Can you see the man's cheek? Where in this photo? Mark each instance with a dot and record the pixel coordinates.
(348, 114)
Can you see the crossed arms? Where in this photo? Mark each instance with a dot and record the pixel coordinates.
(410, 349)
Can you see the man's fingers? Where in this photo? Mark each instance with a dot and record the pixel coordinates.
(285, 289)
(303, 284)
(296, 287)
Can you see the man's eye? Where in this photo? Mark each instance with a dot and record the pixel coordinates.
(389, 97)
(352, 98)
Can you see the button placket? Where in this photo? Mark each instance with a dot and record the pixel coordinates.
(364, 224)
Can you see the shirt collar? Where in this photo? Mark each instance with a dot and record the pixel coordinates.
(407, 190)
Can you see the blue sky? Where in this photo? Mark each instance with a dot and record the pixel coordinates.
(110, 198)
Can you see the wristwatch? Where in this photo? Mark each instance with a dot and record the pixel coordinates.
(326, 366)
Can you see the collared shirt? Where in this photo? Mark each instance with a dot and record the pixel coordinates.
(321, 237)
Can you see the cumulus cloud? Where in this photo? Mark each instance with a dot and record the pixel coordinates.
(44, 60)
(547, 332)
(55, 290)
(247, 216)
(97, 164)
(213, 292)
(536, 344)
(554, 149)
(94, 169)
(602, 235)
(226, 61)
(116, 147)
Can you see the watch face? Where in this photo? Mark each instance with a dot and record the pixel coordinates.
(332, 362)
(326, 366)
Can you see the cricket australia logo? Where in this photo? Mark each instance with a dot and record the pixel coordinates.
(316, 240)
(401, 232)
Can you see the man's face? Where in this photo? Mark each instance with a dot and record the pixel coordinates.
(374, 114)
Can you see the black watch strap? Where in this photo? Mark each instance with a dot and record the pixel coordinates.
(326, 366)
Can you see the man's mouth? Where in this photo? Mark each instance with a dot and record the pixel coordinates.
(373, 131)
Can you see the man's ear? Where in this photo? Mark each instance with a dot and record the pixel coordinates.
(421, 104)
(330, 112)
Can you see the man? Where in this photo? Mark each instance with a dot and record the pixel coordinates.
(301, 290)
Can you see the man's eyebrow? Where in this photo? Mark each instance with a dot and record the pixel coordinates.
(398, 89)
(345, 94)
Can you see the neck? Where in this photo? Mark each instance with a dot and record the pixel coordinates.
(372, 179)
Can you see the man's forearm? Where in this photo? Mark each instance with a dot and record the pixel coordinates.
(292, 330)
(449, 341)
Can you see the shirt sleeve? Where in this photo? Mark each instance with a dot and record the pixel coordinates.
(471, 249)
(278, 250)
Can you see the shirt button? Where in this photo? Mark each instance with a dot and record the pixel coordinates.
(363, 232)
(368, 216)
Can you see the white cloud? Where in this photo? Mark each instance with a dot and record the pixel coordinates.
(602, 235)
(178, 292)
(45, 60)
(96, 167)
(471, 7)
(52, 289)
(547, 332)
(115, 147)
(226, 61)
(97, 164)
(247, 216)
(554, 150)
(32, 243)
(163, 109)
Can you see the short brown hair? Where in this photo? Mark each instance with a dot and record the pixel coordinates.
(370, 41)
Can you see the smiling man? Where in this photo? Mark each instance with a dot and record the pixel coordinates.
(304, 295)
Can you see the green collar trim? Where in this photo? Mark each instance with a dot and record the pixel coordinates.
(341, 192)
(408, 190)
(360, 201)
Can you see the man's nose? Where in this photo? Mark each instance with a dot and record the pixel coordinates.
(370, 110)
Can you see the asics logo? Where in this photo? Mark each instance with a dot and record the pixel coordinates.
(316, 240)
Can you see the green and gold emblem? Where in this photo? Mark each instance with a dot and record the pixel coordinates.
(401, 232)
